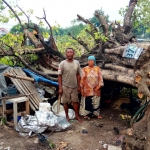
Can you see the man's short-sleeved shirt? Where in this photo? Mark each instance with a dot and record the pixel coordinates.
(69, 70)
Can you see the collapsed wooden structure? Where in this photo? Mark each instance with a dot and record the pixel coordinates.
(26, 88)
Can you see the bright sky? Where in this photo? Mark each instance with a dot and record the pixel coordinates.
(64, 11)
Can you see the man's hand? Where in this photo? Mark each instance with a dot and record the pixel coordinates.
(60, 91)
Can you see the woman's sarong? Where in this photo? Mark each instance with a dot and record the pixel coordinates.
(89, 106)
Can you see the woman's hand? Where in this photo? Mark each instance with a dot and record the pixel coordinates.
(79, 89)
(82, 93)
(96, 88)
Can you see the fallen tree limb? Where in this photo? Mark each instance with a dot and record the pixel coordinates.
(129, 62)
(34, 70)
(119, 68)
(119, 77)
(118, 51)
(103, 22)
(48, 72)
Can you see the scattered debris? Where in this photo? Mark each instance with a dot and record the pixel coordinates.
(70, 131)
(84, 131)
(7, 148)
(36, 140)
(43, 140)
(96, 123)
(120, 140)
(105, 146)
(63, 145)
(116, 104)
(129, 131)
(116, 130)
(125, 117)
(101, 142)
(1, 145)
(112, 147)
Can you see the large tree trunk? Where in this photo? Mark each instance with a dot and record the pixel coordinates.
(108, 55)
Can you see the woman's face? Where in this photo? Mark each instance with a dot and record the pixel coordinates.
(90, 63)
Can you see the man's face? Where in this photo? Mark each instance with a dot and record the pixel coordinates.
(69, 54)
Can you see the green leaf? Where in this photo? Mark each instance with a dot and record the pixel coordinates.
(16, 54)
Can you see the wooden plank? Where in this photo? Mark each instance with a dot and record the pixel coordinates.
(20, 89)
(29, 84)
(9, 123)
(10, 111)
(18, 77)
(58, 104)
(15, 114)
(4, 108)
(25, 78)
(1, 111)
(22, 113)
(13, 96)
(27, 107)
(26, 85)
(31, 96)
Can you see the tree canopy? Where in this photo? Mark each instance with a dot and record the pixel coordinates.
(140, 17)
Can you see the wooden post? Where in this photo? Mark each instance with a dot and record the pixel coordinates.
(27, 108)
(4, 108)
(58, 104)
(15, 114)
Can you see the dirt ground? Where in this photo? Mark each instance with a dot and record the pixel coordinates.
(98, 132)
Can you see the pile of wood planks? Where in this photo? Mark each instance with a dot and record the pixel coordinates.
(25, 87)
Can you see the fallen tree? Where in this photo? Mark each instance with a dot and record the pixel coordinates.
(108, 50)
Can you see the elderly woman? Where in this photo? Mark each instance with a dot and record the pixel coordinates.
(91, 83)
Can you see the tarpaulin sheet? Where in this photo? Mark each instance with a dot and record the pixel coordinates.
(3, 85)
(39, 78)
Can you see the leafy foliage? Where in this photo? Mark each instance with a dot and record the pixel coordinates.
(2, 121)
(140, 17)
(12, 40)
(63, 42)
(18, 29)
(7, 60)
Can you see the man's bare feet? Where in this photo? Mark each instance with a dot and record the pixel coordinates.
(79, 119)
